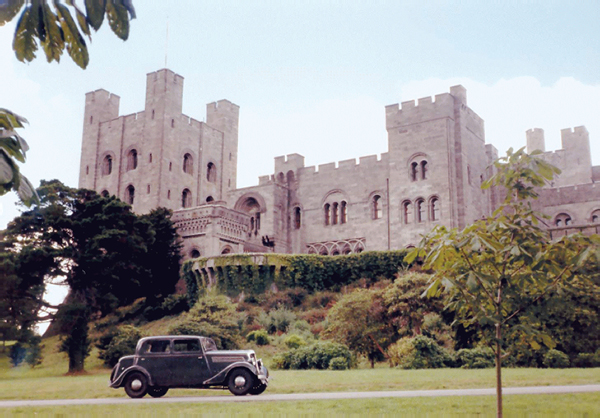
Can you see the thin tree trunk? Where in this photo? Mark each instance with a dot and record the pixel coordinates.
(498, 373)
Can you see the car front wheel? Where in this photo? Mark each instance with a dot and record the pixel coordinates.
(136, 385)
(157, 391)
(240, 382)
(258, 388)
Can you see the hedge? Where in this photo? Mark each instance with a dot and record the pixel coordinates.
(237, 273)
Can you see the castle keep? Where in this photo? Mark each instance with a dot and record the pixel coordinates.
(431, 175)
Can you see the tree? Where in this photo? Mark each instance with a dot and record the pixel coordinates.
(99, 248)
(497, 267)
(12, 149)
(52, 26)
(359, 321)
(406, 308)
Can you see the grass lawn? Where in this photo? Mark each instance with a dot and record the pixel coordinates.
(49, 382)
(585, 404)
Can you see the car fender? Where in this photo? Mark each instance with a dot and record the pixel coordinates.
(222, 375)
(117, 381)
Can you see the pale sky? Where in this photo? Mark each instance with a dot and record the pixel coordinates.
(313, 76)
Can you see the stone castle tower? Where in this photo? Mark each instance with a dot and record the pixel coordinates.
(159, 157)
(431, 175)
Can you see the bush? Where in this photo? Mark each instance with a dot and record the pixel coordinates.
(418, 352)
(171, 305)
(117, 343)
(29, 352)
(17, 354)
(278, 320)
(475, 358)
(587, 360)
(294, 341)
(314, 356)
(338, 363)
(261, 337)
(556, 359)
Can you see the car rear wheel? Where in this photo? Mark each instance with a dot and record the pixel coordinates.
(258, 388)
(240, 382)
(136, 385)
(157, 391)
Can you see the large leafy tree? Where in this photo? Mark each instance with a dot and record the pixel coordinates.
(51, 25)
(359, 320)
(106, 254)
(498, 267)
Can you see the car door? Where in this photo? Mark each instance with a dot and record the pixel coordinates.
(188, 363)
(154, 356)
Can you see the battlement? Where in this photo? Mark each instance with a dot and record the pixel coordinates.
(425, 108)
(535, 140)
(574, 138)
(164, 88)
(100, 106)
(222, 106)
(285, 163)
(224, 116)
(369, 162)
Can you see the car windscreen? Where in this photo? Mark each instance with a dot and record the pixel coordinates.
(209, 344)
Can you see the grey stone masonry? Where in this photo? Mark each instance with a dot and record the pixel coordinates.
(431, 175)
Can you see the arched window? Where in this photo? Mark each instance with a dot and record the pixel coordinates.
(195, 253)
(209, 199)
(188, 164)
(226, 250)
(280, 178)
(104, 193)
(423, 170)
(132, 160)
(434, 205)
(596, 216)
(407, 212)
(414, 168)
(186, 198)
(343, 212)
(327, 213)
(377, 210)
(211, 172)
(130, 194)
(334, 213)
(346, 250)
(562, 219)
(297, 218)
(420, 212)
(107, 165)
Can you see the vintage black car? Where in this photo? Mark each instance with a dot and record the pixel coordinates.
(161, 363)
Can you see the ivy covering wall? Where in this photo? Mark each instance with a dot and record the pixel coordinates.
(257, 273)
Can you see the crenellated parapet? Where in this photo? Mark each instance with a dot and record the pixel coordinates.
(350, 167)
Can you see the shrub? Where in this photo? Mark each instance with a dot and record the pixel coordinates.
(338, 363)
(224, 338)
(260, 337)
(278, 320)
(587, 360)
(556, 359)
(117, 343)
(17, 354)
(294, 341)
(314, 356)
(475, 358)
(29, 352)
(171, 305)
(418, 352)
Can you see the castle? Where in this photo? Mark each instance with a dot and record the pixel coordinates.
(431, 175)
